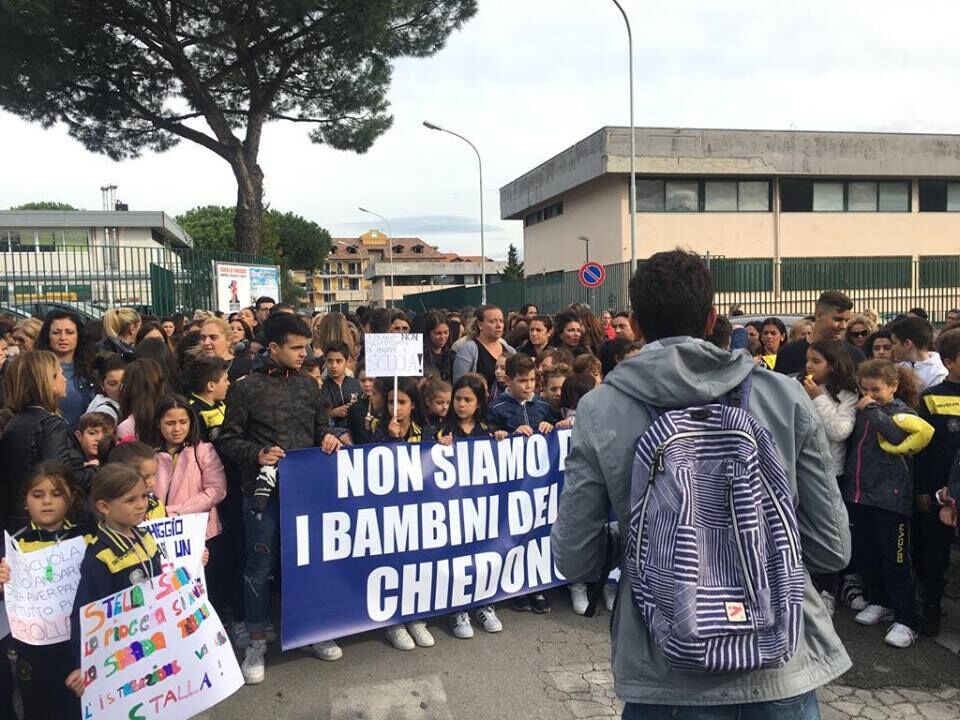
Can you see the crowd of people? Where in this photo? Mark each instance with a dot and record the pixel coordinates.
(108, 422)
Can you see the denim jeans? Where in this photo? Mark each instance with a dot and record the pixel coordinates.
(802, 707)
(263, 551)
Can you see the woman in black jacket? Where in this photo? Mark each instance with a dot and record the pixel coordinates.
(35, 384)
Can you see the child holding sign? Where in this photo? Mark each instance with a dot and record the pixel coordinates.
(142, 458)
(43, 669)
(121, 554)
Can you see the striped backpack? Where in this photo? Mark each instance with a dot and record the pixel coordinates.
(713, 550)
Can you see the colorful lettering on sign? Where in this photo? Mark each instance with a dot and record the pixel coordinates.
(172, 581)
(134, 652)
(191, 623)
(112, 606)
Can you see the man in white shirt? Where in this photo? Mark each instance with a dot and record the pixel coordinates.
(912, 338)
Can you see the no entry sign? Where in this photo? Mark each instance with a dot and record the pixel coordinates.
(592, 274)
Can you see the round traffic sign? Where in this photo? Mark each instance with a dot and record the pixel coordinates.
(592, 274)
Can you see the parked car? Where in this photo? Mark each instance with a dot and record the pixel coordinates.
(40, 308)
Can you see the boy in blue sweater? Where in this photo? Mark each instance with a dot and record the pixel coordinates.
(519, 409)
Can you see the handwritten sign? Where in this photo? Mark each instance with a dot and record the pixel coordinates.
(155, 648)
(393, 355)
(43, 584)
(181, 540)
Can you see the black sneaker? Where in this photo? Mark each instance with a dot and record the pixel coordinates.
(522, 604)
(540, 604)
(931, 620)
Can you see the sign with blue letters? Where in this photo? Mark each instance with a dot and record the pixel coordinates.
(376, 535)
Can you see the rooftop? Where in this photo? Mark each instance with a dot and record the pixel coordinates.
(763, 153)
(165, 225)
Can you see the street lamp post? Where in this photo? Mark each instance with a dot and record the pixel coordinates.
(483, 249)
(389, 246)
(587, 241)
(633, 150)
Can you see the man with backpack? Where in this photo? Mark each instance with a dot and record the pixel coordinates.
(716, 473)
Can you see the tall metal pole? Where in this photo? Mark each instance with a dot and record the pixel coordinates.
(483, 248)
(633, 150)
(390, 247)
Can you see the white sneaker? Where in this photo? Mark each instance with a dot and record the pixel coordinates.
(578, 597)
(418, 631)
(327, 650)
(610, 595)
(829, 602)
(874, 615)
(858, 603)
(400, 638)
(488, 619)
(460, 624)
(900, 636)
(254, 664)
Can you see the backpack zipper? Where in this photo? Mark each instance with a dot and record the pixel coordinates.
(739, 543)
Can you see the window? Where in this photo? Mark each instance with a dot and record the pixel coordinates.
(351, 249)
(649, 195)
(796, 195)
(720, 196)
(753, 196)
(894, 196)
(533, 218)
(552, 211)
(354, 284)
(828, 197)
(75, 239)
(418, 249)
(862, 197)
(397, 249)
(10, 241)
(681, 196)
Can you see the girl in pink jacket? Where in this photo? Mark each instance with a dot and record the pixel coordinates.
(190, 476)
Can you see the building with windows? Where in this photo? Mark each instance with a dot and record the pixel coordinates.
(865, 209)
(104, 257)
(359, 271)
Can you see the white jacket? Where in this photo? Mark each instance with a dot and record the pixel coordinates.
(838, 418)
(931, 371)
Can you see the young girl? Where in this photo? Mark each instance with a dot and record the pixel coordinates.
(466, 419)
(142, 458)
(190, 478)
(120, 555)
(405, 426)
(831, 382)
(878, 489)
(43, 669)
(361, 415)
(144, 383)
(436, 400)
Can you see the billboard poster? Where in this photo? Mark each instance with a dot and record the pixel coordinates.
(237, 286)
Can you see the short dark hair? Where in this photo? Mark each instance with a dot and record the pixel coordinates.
(203, 370)
(834, 300)
(574, 388)
(722, 332)
(97, 420)
(379, 320)
(915, 329)
(948, 344)
(282, 307)
(277, 328)
(623, 314)
(919, 312)
(525, 308)
(671, 294)
(263, 299)
(519, 364)
(337, 346)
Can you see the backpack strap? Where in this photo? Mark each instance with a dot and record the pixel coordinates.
(739, 396)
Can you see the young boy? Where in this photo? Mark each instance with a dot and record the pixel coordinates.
(207, 380)
(92, 429)
(939, 406)
(553, 385)
(437, 395)
(911, 338)
(339, 389)
(312, 368)
(518, 409)
(108, 399)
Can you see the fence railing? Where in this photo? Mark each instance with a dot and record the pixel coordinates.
(163, 279)
(759, 286)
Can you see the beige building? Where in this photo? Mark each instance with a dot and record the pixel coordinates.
(772, 195)
(377, 270)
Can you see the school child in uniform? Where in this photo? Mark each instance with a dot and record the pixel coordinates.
(190, 479)
(93, 429)
(552, 385)
(878, 488)
(108, 399)
(404, 425)
(830, 380)
(436, 401)
(467, 419)
(207, 380)
(362, 413)
(120, 555)
(42, 670)
(143, 459)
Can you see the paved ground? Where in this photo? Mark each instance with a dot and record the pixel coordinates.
(556, 667)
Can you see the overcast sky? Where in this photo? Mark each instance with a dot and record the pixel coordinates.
(528, 78)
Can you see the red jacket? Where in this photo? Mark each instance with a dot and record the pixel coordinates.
(195, 483)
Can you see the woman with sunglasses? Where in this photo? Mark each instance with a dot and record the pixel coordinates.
(860, 328)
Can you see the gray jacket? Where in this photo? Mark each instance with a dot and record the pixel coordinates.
(466, 359)
(683, 372)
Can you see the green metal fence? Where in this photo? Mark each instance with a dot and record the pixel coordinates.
(758, 285)
(163, 279)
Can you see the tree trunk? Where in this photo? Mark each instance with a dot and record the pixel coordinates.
(248, 222)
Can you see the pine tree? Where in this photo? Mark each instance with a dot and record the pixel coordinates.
(514, 268)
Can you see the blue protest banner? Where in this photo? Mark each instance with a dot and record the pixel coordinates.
(376, 535)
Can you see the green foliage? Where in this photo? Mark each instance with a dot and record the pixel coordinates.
(514, 268)
(290, 291)
(302, 243)
(44, 205)
(138, 75)
(211, 227)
